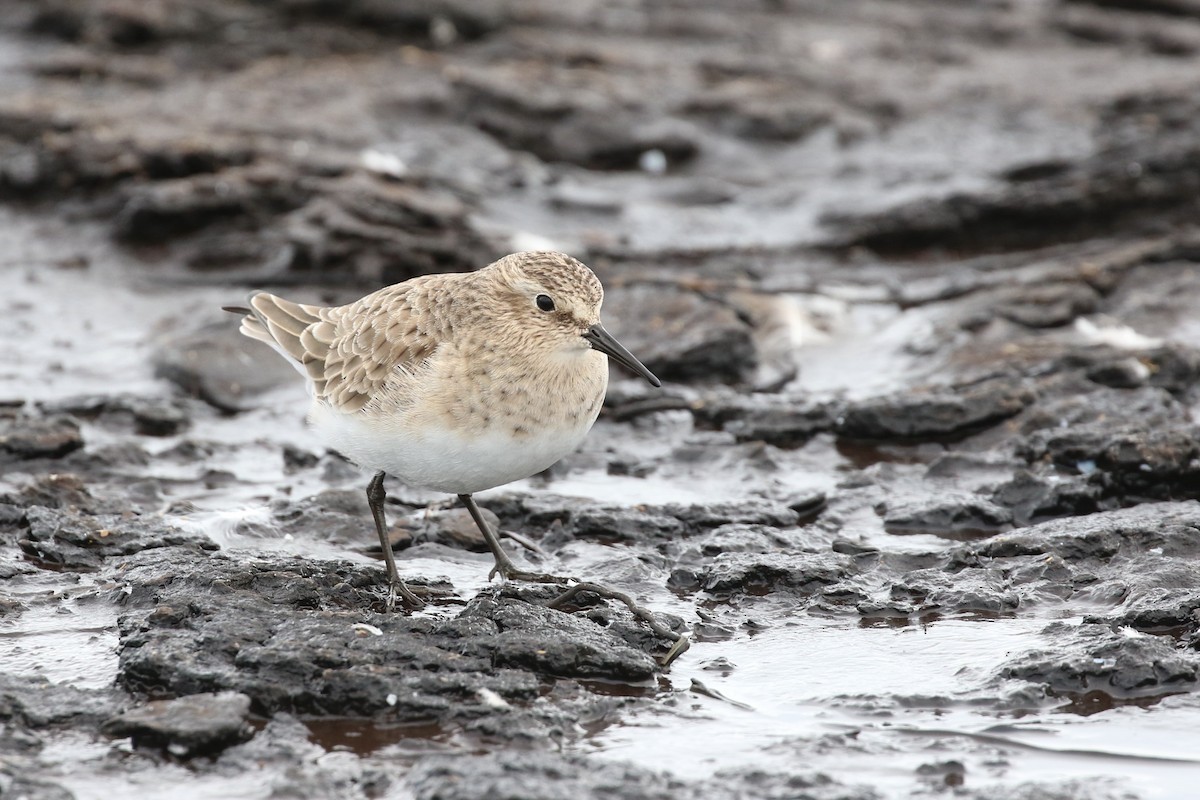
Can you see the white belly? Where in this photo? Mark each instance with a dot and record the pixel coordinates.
(441, 459)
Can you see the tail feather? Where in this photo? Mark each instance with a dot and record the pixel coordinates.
(282, 325)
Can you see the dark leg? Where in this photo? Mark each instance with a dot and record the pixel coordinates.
(504, 564)
(375, 498)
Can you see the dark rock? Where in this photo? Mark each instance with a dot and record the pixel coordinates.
(159, 420)
(538, 776)
(1049, 305)
(681, 335)
(604, 140)
(37, 703)
(1163, 463)
(777, 785)
(160, 211)
(1089, 199)
(381, 232)
(641, 524)
(1125, 373)
(63, 22)
(187, 726)
(1031, 498)
(1170, 8)
(736, 538)
(947, 514)
(303, 749)
(454, 528)
(321, 663)
(549, 776)
(1038, 578)
(297, 460)
(746, 512)
(783, 421)
(339, 516)
(292, 635)
(1036, 170)
(1093, 657)
(26, 437)
(81, 541)
(980, 591)
(849, 548)
(759, 118)
(952, 411)
(56, 490)
(943, 773)
(60, 153)
(1097, 537)
(1081, 404)
(550, 643)
(220, 366)
(418, 21)
(147, 416)
(1148, 33)
(807, 502)
(555, 125)
(11, 514)
(1174, 367)
(626, 525)
(758, 573)
(1160, 598)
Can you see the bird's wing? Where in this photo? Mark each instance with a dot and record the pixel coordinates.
(347, 352)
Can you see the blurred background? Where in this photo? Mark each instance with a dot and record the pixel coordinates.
(918, 276)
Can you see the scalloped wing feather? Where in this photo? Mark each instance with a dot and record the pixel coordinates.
(347, 352)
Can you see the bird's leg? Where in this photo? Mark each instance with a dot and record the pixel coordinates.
(375, 498)
(504, 565)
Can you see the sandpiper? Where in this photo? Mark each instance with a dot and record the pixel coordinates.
(455, 382)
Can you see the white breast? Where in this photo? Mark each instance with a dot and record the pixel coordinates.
(441, 459)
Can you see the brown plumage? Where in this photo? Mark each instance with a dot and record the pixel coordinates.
(455, 382)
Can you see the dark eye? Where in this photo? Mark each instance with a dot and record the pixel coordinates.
(545, 303)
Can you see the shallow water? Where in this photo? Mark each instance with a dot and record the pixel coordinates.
(70, 642)
(823, 693)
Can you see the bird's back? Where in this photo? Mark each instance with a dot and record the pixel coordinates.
(348, 352)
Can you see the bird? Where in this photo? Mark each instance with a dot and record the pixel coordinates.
(453, 382)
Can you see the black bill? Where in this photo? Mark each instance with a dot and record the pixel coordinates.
(603, 341)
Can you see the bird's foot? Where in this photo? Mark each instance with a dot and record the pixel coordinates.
(680, 640)
(509, 572)
(397, 589)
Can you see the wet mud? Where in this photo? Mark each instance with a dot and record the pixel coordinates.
(922, 485)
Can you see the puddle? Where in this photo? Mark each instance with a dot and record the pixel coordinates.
(870, 353)
(100, 769)
(1085, 704)
(905, 696)
(364, 737)
(860, 454)
(100, 336)
(62, 642)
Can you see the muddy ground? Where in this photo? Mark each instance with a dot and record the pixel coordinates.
(921, 485)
